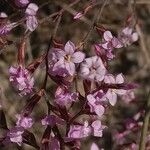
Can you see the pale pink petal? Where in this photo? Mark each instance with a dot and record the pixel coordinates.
(99, 110)
(134, 37)
(70, 67)
(116, 43)
(78, 15)
(127, 31)
(31, 23)
(32, 9)
(69, 47)
(94, 147)
(106, 45)
(112, 97)
(109, 79)
(119, 78)
(78, 57)
(120, 91)
(107, 36)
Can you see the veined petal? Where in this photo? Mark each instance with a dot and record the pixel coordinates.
(112, 97)
(69, 47)
(107, 36)
(119, 78)
(78, 57)
(70, 67)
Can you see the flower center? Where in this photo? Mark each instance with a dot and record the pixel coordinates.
(68, 58)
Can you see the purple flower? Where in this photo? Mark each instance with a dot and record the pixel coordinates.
(93, 69)
(95, 101)
(5, 29)
(31, 20)
(63, 97)
(94, 147)
(25, 122)
(97, 128)
(51, 120)
(105, 54)
(110, 41)
(112, 93)
(21, 79)
(22, 3)
(79, 131)
(15, 135)
(63, 61)
(127, 36)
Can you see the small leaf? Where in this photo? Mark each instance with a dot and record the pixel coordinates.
(29, 138)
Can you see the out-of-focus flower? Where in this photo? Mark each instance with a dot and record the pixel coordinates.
(15, 135)
(93, 69)
(51, 120)
(25, 122)
(63, 97)
(78, 15)
(110, 41)
(63, 61)
(31, 20)
(79, 131)
(94, 147)
(105, 54)
(97, 128)
(128, 97)
(22, 3)
(127, 36)
(112, 93)
(32, 9)
(3, 15)
(5, 29)
(95, 101)
(21, 80)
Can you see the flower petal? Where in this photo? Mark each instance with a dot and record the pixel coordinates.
(78, 57)
(107, 36)
(69, 47)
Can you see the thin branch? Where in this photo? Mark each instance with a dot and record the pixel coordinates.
(145, 126)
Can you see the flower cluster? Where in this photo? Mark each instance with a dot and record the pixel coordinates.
(67, 65)
(21, 80)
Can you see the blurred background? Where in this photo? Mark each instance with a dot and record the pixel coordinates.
(132, 61)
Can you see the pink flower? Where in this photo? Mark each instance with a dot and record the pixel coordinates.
(31, 9)
(112, 93)
(25, 122)
(78, 15)
(105, 54)
(31, 23)
(127, 36)
(110, 41)
(93, 69)
(3, 15)
(31, 20)
(51, 120)
(94, 147)
(22, 3)
(21, 79)
(97, 128)
(63, 97)
(5, 29)
(79, 131)
(63, 61)
(128, 97)
(15, 135)
(95, 101)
